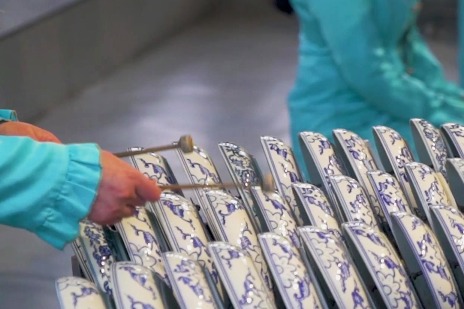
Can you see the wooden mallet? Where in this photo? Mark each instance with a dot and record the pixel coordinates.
(185, 143)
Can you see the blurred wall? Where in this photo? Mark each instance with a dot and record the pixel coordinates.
(44, 63)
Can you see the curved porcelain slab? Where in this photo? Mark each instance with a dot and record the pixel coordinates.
(141, 242)
(453, 135)
(389, 193)
(81, 259)
(98, 254)
(233, 225)
(353, 200)
(188, 282)
(154, 166)
(135, 287)
(243, 169)
(448, 225)
(244, 285)
(78, 293)
(199, 167)
(289, 272)
(422, 254)
(317, 207)
(335, 268)
(428, 188)
(455, 172)
(277, 214)
(285, 171)
(359, 161)
(380, 267)
(182, 226)
(430, 145)
(394, 153)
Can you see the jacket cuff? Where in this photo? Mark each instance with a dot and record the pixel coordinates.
(6, 114)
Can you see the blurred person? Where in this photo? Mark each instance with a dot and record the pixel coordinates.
(364, 63)
(47, 187)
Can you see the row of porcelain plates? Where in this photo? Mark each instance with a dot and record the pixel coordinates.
(383, 231)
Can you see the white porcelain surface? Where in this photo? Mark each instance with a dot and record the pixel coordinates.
(394, 153)
(453, 134)
(455, 173)
(428, 187)
(135, 287)
(380, 266)
(233, 225)
(199, 166)
(284, 169)
(277, 214)
(241, 278)
(154, 166)
(81, 259)
(78, 293)
(359, 161)
(188, 282)
(141, 241)
(289, 272)
(316, 206)
(333, 261)
(353, 200)
(98, 254)
(430, 145)
(422, 253)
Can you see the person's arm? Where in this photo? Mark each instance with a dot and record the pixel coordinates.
(376, 73)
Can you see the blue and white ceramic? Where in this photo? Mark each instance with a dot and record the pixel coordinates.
(141, 242)
(333, 264)
(232, 224)
(277, 214)
(428, 188)
(135, 287)
(241, 278)
(98, 254)
(448, 225)
(381, 269)
(425, 261)
(359, 161)
(81, 259)
(284, 170)
(244, 171)
(455, 172)
(78, 293)
(394, 153)
(453, 135)
(188, 282)
(353, 200)
(430, 145)
(316, 206)
(289, 272)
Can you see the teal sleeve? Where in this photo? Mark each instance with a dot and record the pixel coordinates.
(6, 114)
(374, 71)
(47, 188)
(426, 67)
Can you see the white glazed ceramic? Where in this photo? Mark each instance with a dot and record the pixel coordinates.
(455, 173)
(241, 278)
(289, 272)
(188, 282)
(233, 225)
(135, 287)
(81, 259)
(98, 254)
(285, 171)
(353, 200)
(316, 206)
(453, 135)
(389, 193)
(381, 269)
(359, 161)
(154, 166)
(423, 256)
(244, 171)
(428, 188)
(141, 242)
(430, 145)
(78, 293)
(394, 153)
(199, 167)
(184, 231)
(335, 269)
(277, 214)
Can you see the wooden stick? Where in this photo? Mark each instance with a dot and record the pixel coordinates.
(198, 186)
(185, 143)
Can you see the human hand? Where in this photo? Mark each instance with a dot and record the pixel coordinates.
(121, 189)
(18, 128)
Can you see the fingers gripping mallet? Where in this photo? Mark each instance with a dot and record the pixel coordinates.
(185, 144)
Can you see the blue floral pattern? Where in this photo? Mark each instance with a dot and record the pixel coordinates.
(455, 133)
(154, 166)
(78, 293)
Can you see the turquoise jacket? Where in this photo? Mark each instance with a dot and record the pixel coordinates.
(363, 63)
(46, 188)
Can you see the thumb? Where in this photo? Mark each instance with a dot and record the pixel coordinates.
(147, 189)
